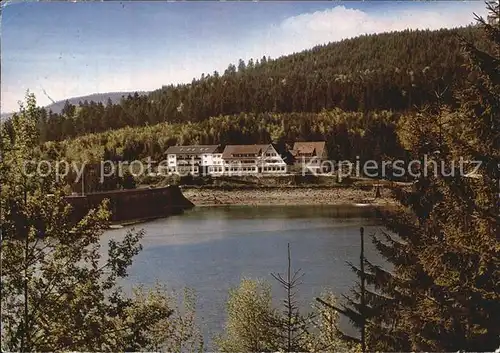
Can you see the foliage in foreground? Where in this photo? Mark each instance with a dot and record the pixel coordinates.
(443, 292)
(58, 291)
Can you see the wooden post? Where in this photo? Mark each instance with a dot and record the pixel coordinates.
(362, 268)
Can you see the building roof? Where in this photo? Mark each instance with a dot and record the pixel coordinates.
(306, 149)
(196, 149)
(231, 150)
(316, 148)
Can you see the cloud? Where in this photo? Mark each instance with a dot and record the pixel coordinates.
(307, 30)
(110, 74)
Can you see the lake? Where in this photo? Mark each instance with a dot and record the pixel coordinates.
(210, 249)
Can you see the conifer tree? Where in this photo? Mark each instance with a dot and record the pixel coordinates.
(293, 332)
(441, 290)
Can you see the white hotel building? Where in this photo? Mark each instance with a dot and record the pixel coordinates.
(234, 160)
(194, 160)
(252, 159)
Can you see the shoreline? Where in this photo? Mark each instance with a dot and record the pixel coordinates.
(311, 195)
(286, 196)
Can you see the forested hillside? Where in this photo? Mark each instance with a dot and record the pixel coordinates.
(348, 134)
(398, 71)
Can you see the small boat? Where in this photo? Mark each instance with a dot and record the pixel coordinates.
(115, 226)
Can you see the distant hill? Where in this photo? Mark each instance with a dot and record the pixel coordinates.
(96, 97)
(5, 116)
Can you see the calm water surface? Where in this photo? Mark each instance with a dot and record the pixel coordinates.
(211, 249)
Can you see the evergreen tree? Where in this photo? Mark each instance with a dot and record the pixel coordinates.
(441, 293)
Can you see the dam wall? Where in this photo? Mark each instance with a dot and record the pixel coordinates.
(135, 204)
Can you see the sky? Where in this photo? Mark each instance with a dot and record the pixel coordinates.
(69, 49)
